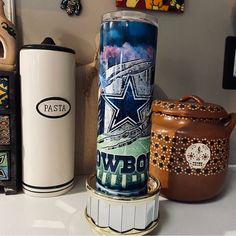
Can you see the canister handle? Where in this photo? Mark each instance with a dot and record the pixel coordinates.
(230, 122)
(195, 98)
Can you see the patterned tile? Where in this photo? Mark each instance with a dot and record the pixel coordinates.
(4, 130)
(188, 156)
(4, 93)
(4, 165)
(156, 5)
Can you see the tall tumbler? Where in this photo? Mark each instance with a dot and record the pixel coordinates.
(126, 75)
(48, 118)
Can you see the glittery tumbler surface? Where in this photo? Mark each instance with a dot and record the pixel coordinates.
(127, 68)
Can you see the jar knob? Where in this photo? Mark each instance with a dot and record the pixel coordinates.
(195, 98)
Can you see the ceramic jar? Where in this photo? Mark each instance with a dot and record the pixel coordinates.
(48, 118)
(7, 42)
(190, 147)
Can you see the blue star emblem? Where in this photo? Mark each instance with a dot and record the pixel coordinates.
(126, 107)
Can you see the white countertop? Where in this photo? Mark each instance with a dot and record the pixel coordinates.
(64, 215)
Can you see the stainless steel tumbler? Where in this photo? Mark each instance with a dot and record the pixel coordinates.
(127, 68)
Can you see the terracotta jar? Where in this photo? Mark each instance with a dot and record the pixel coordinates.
(190, 147)
(8, 47)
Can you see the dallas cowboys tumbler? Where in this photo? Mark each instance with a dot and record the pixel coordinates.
(126, 75)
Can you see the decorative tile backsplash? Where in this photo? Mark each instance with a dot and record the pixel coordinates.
(4, 130)
(4, 93)
(10, 155)
(4, 165)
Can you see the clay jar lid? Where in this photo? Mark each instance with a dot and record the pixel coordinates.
(189, 106)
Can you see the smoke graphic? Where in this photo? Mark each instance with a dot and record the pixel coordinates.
(113, 55)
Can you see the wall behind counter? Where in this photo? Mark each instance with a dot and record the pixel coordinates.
(189, 59)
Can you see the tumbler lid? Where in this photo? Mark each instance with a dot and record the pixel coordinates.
(130, 15)
(48, 44)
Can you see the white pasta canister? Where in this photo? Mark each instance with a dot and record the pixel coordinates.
(48, 118)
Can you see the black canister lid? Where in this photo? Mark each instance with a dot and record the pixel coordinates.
(48, 44)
